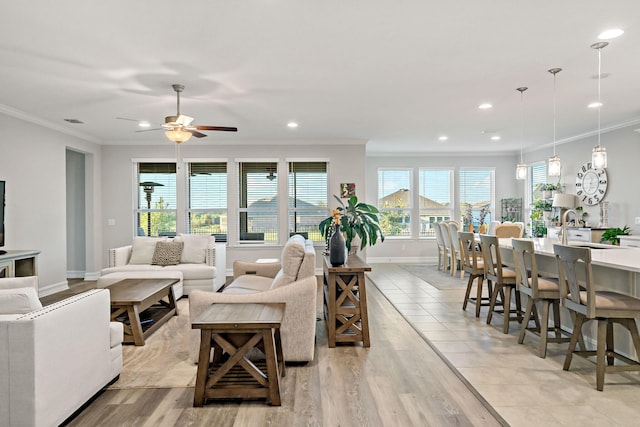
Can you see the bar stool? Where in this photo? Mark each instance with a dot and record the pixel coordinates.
(537, 289)
(508, 229)
(606, 307)
(504, 281)
(474, 265)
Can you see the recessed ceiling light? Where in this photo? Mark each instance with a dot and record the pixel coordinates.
(443, 138)
(144, 124)
(610, 34)
(292, 125)
(485, 106)
(595, 104)
(495, 137)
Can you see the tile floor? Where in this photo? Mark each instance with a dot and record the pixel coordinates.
(523, 388)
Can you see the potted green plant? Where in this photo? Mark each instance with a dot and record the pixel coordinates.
(611, 235)
(357, 219)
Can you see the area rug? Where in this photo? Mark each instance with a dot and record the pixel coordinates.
(163, 362)
(436, 278)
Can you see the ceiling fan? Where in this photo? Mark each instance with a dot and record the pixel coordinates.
(179, 129)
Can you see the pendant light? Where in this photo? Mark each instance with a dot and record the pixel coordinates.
(599, 154)
(554, 161)
(521, 168)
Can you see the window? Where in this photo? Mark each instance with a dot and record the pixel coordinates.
(538, 177)
(258, 202)
(307, 198)
(207, 211)
(434, 199)
(476, 196)
(394, 201)
(155, 214)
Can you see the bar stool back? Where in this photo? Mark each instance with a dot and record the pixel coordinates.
(441, 247)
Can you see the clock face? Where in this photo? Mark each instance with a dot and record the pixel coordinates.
(591, 184)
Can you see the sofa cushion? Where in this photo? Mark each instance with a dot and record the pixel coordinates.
(167, 253)
(131, 267)
(195, 247)
(193, 271)
(19, 301)
(143, 249)
(292, 256)
(249, 282)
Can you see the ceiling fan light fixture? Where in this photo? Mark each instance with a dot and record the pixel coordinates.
(178, 135)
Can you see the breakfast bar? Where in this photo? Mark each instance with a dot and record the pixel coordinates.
(614, 268)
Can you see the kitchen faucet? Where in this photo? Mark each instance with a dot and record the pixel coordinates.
(564, 224)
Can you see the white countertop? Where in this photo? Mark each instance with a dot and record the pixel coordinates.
(622, 258)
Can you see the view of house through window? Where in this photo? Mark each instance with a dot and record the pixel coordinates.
(434, 198)
(207, 211)
(258, 202)
(307, 206)
(394, 201)
(476, 197)
(155, 213)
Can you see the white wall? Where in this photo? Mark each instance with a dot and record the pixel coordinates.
(401, 249)
(32, 161)
(346, 164)
(623, 150)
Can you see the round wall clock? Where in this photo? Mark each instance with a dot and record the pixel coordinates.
(591, 184)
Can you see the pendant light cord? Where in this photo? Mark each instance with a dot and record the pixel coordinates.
(599, 98)
(554, 114)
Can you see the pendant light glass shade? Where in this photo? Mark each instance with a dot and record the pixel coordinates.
(599, 154)
(521, 168)
(554, 161)
(178, 135)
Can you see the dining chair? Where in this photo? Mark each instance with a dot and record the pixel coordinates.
(545, 291)
(492, 227)
(580, 296)
(473, 263)
(504, 282)
(440, 246)
(455, 255)
(508, 230)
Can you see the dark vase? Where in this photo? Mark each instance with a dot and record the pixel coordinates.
(337, 247)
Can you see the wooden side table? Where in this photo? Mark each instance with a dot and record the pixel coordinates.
(232, 330)
(345, 301)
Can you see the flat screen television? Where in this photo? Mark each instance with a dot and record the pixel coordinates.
(2, 185)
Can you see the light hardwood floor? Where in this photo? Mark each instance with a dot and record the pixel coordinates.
(398, 381)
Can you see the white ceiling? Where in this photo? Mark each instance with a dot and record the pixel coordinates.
(395, 73)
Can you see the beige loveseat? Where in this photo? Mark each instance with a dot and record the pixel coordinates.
(53, 359)
(201, 261)
(291, 281)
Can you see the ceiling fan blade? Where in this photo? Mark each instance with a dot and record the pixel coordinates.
(131, 120)
(196, 133)
(222, 128)
(147, 130)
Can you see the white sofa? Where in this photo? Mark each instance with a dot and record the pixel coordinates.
(54, 359)
(202, 263)
(291, 281)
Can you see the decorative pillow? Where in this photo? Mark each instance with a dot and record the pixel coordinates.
(292, 255)
(143, 249)
(167, 253)
(19, 301)
(195, 247)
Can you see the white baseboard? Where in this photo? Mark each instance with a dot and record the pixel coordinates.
(75, 274)
(91, 275)
(43, 291)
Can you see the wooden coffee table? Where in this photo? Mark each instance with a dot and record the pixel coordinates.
(131, 297)
(232, 331)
